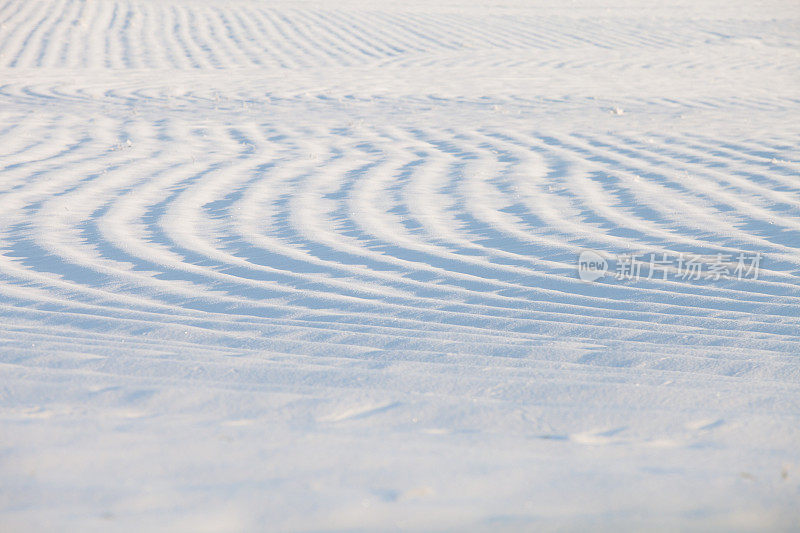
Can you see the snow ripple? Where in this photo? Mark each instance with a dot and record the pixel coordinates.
(376, 213)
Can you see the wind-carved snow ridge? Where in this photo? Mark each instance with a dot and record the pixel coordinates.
(305, 266)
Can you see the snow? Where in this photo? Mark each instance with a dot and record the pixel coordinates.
(312, 266)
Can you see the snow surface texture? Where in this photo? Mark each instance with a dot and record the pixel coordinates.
(312, 265)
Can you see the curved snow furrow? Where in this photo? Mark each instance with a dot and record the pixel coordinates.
(742, 182)
(714, 198)
(577, 211)
(240, 28)
(766, 164)
(390, 43)
(26, 146)
(225, 38)
(301, 224)
(310, 217)
(450, 260)
(335, 248)
(178, 33)
(358, 34)
(483, 196)
(169, 52)
(174, 41)
(388, 243)
(725, 213)
(53, 36)
(332, 51)
(492, 33)
(287, 30)
(603, 196)
(29, 29)
(8, 9)
(734, 205)
(35, 167)
(55, 209)
(275, 43)
(520, 245)
(505, 221)
(142, 35)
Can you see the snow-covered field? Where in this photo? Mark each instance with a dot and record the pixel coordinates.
(312, 265)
